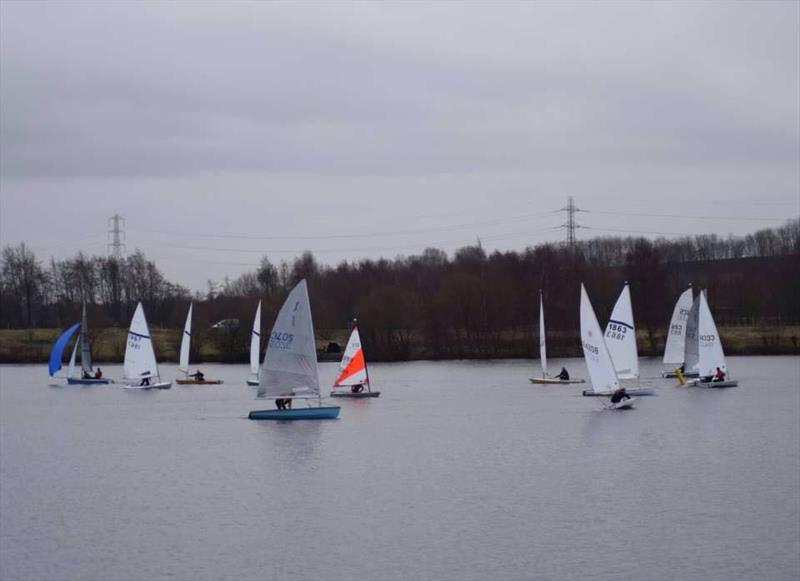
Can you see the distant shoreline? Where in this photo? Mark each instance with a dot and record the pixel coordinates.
(33, 346)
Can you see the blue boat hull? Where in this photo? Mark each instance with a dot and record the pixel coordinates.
(90, 381)
(320, 413)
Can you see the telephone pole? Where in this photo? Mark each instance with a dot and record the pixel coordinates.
(117, 235)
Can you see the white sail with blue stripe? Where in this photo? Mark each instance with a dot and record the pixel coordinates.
(255, 343)
(620, 337)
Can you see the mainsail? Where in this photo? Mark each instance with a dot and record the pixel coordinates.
(620, 337)
(290, 363)
(255, 341)
(711, 355)
(86, 348)
(595, 353)
(186, 342)
(691, 353)
(140, 359)
(542, 340)
(676, 335)
(353, 367)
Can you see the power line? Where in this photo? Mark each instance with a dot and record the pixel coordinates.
(684, 216)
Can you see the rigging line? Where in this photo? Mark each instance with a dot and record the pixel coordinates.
(683, 216)
(422, 245)
(639, 231)
(520, 218)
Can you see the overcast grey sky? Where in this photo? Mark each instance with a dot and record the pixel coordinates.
(377, 129)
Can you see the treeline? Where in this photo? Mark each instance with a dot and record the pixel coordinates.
(472, 304)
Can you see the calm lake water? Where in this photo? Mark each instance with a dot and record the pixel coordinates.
(459, 471)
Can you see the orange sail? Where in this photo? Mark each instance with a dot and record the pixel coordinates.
(353, 368)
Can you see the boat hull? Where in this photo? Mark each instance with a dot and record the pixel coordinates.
(159, 385)
(320, 413)
(632, 391)
(253, 382)
(672, 374)
(625, 404)
(90, 381)
(554, 381)
(196, 382)
(359, 395)
(714, 384)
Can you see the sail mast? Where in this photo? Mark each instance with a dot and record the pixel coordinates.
(542, 338)
(364, 354)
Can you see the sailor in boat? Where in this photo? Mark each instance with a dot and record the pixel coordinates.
(719, 375)
(97, 373)
(145, 379)
(199, 375)
(357, 388)
(564, 374)
(284, 404)
(86, 375)
(619, 395)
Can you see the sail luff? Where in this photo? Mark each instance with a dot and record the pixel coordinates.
(186, 342)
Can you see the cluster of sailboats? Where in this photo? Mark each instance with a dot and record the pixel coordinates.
(289, 370)
(693, 349)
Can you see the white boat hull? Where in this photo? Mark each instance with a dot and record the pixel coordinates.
(554, 381)
(632, 391)
(159, 385)
(713, 384)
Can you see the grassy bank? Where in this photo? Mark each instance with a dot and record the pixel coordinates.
(108, 345)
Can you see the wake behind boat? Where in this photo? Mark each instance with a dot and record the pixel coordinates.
(140, 369)
(289, 371)
(545, 379)
(353, 378)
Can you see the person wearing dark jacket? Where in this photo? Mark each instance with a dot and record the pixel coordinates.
(619, 395)
(563, 374)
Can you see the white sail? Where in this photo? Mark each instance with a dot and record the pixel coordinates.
(255, 341)
(352, 367)
(542, 339)
(71, 368)
(676, 335)
(691, 347)
(86, 349)
(186, 342)
(140, 359)
(290, 363)
(595, 353)
(620, 337)
(711, 355)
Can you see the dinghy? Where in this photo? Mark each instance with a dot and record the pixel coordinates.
(289, 371)
(709, 348)
(602, 374)
(544, 379)
(620, 338)
(87, 373)
(183, 362)
(353, 378)
(140, 369)
(255, 347)
(676, 337)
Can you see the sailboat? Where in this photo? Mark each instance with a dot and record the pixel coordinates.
(544, 379)
(56, 354)
(602, 373)
(183, 362)
(353, 372)
(620, 338)
(676, 337)
(289, 370)
(709, 349)
(255, 347)
(140, 369)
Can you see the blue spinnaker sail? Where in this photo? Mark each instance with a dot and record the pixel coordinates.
(57, 353)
